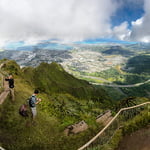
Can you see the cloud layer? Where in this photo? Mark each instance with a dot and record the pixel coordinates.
(62, 19)
(69, 20)
(140, 28)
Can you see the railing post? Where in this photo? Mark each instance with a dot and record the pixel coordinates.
(131, 113)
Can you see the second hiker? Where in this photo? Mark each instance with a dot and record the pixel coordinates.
(33, 101)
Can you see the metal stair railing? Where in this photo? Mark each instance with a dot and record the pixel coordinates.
(1, 148)
(109, 130)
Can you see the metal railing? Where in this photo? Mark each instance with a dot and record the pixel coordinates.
(1, 148)
(105, 135)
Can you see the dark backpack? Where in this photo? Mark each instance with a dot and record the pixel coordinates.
(23, 110)
(31, 102)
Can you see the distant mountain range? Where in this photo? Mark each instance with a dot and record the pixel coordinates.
(118, 50)
(35, 57)
(21, 46)
(60, 45)
(83, 57)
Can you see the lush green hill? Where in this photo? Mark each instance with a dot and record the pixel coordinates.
(59, 108)
(65, 101)
(139, 64)
(118, 50)
(52, 78)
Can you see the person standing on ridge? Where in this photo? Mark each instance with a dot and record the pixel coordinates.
(33, 101)
(11, 86)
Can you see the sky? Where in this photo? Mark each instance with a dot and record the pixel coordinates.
(74, 20)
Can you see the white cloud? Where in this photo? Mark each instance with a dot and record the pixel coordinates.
(68, 20)
(121, 32)
(63, 19)
(140, 28)
(138, 22)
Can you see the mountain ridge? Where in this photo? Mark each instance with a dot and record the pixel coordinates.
(56, 111)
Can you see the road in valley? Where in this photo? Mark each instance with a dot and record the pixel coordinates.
(113, 85)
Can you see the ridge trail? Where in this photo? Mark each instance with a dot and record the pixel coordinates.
(5, 87)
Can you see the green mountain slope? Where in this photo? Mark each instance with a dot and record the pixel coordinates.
(64, 103)
(139, 64)
(59, 108)
(52, 78)
(118, 50)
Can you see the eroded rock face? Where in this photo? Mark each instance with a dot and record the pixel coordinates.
(76, 128)
(104, 118)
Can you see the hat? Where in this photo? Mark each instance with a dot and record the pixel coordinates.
(36, 91)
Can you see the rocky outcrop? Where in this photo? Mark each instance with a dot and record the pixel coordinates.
(104, 118)
(76, 128)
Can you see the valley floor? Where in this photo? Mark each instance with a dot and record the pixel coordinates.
(140, 140)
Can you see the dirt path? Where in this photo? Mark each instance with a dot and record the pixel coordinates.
(5, 92)
(140, 140)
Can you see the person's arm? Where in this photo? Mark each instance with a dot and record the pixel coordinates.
(38, 100)
(6, 79)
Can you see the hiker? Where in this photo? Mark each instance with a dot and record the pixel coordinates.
(23, 110)
(33, 101)
(11, 86)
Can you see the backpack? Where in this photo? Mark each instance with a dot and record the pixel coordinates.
(31, 102)
(23, 110)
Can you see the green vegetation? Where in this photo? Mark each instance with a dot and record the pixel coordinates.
(138, 122)
(118, 50)
(140, 91)
(64, 102)
(52, 78)
(139, 64)
(116, 94)
(111, 74)
(117, 76)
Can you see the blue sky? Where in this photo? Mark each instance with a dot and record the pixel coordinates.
(33, 21)
(128, 12)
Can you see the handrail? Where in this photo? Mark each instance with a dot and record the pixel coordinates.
(5, 92)
(122, 109)
(1, 148)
